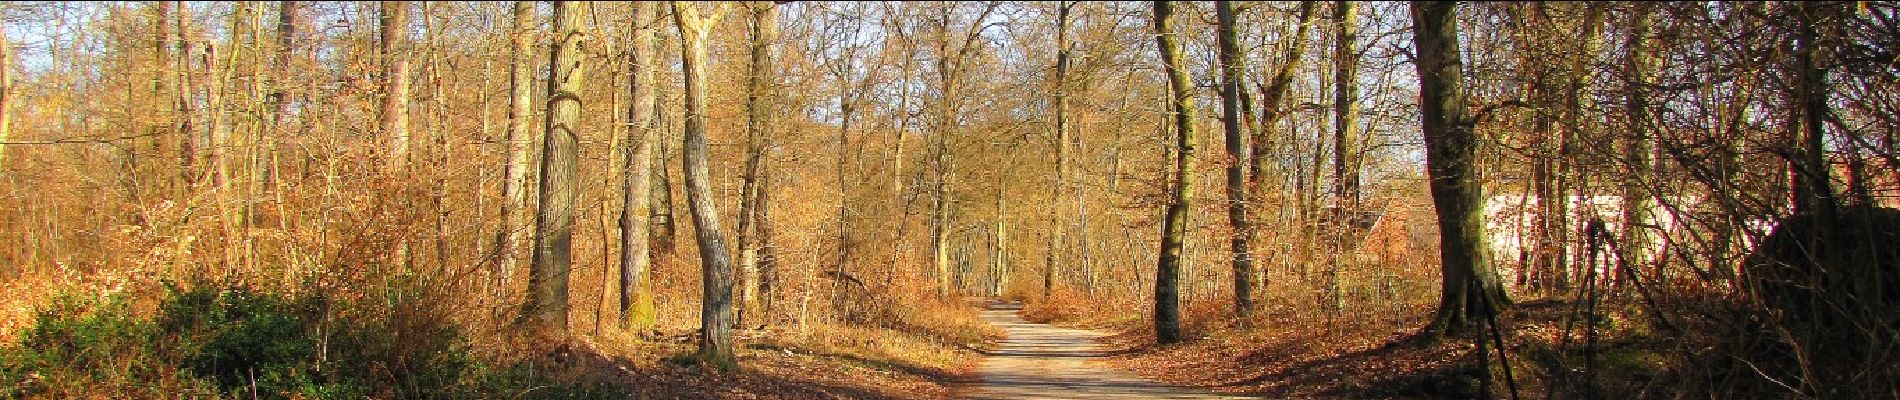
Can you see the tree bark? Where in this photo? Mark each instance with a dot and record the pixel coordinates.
(279, 93)
(1174, 223)
(1813, 191)
(760, 83)
(716, 308)
(1640, 149)
(554, 227)
(1450, 158)
(395, 49)
(1232, 65)
(514, 182)
(660, 219)
(1058, 237)
(939, 155)
(6, 92)
(182, 88)
(1345, 115)
(636, 286)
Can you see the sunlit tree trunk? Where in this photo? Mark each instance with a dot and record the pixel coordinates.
(514, 182)
(760, 84)
(950, 73)
(1058, 236)
(182, 88)
(395, 80)
(547, 305)
(940, 159)
(6, 92)
(1232, 67)
(1450, 158)
(1174, 223)
(1345, 114)
(999, 250)
(636, 286)
(716, 308)
(279, 100)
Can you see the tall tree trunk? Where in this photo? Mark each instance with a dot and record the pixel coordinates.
(1640, 149)
(1577, 103)
(6, 92)
(514, 182)
(716, 311)
(767, 252)
(1174, 224)
(279, 93)
(182, 88)
(1813, 191)
(1058, 236)
(999, 250)
(636, 286)
(1450, 158)
(395, 53)
(760, 83)
(846, 111)
(1345, 115)
(560, 153)
(1057, 232)
(1232, 65)
(940, 161)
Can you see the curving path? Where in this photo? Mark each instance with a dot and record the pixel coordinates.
(1039, 361)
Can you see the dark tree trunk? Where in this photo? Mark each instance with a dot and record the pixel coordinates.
(1450, 149)
(716, 308)
(1232, 65)
(1174, 223)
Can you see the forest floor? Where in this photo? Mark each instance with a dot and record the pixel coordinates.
(1038, 361)
(829, 363)
(1288, 356)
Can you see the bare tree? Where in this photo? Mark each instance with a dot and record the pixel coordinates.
(1812, 187)
(952, 57)
(716, 311)
(1640, 149)
(1345, 113)
(279, 98)
(1232, 67)
(6, 89)
(514, 182)
(1174, 223)
(395, 79)
(560, 152)
(760, 82)
(1450, 149)
(636, 286)
(1058, 236)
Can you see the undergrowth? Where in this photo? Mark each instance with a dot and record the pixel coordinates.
(234, 342)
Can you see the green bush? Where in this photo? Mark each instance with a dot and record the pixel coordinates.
(79, 343)
(239, 343)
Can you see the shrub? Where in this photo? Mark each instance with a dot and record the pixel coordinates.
(78, 345)
(239, 343)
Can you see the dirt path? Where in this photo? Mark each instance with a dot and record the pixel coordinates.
(1039, 361)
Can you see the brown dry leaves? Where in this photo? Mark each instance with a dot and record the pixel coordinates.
(829, 362)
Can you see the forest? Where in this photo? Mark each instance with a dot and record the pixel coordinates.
(950, 199)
